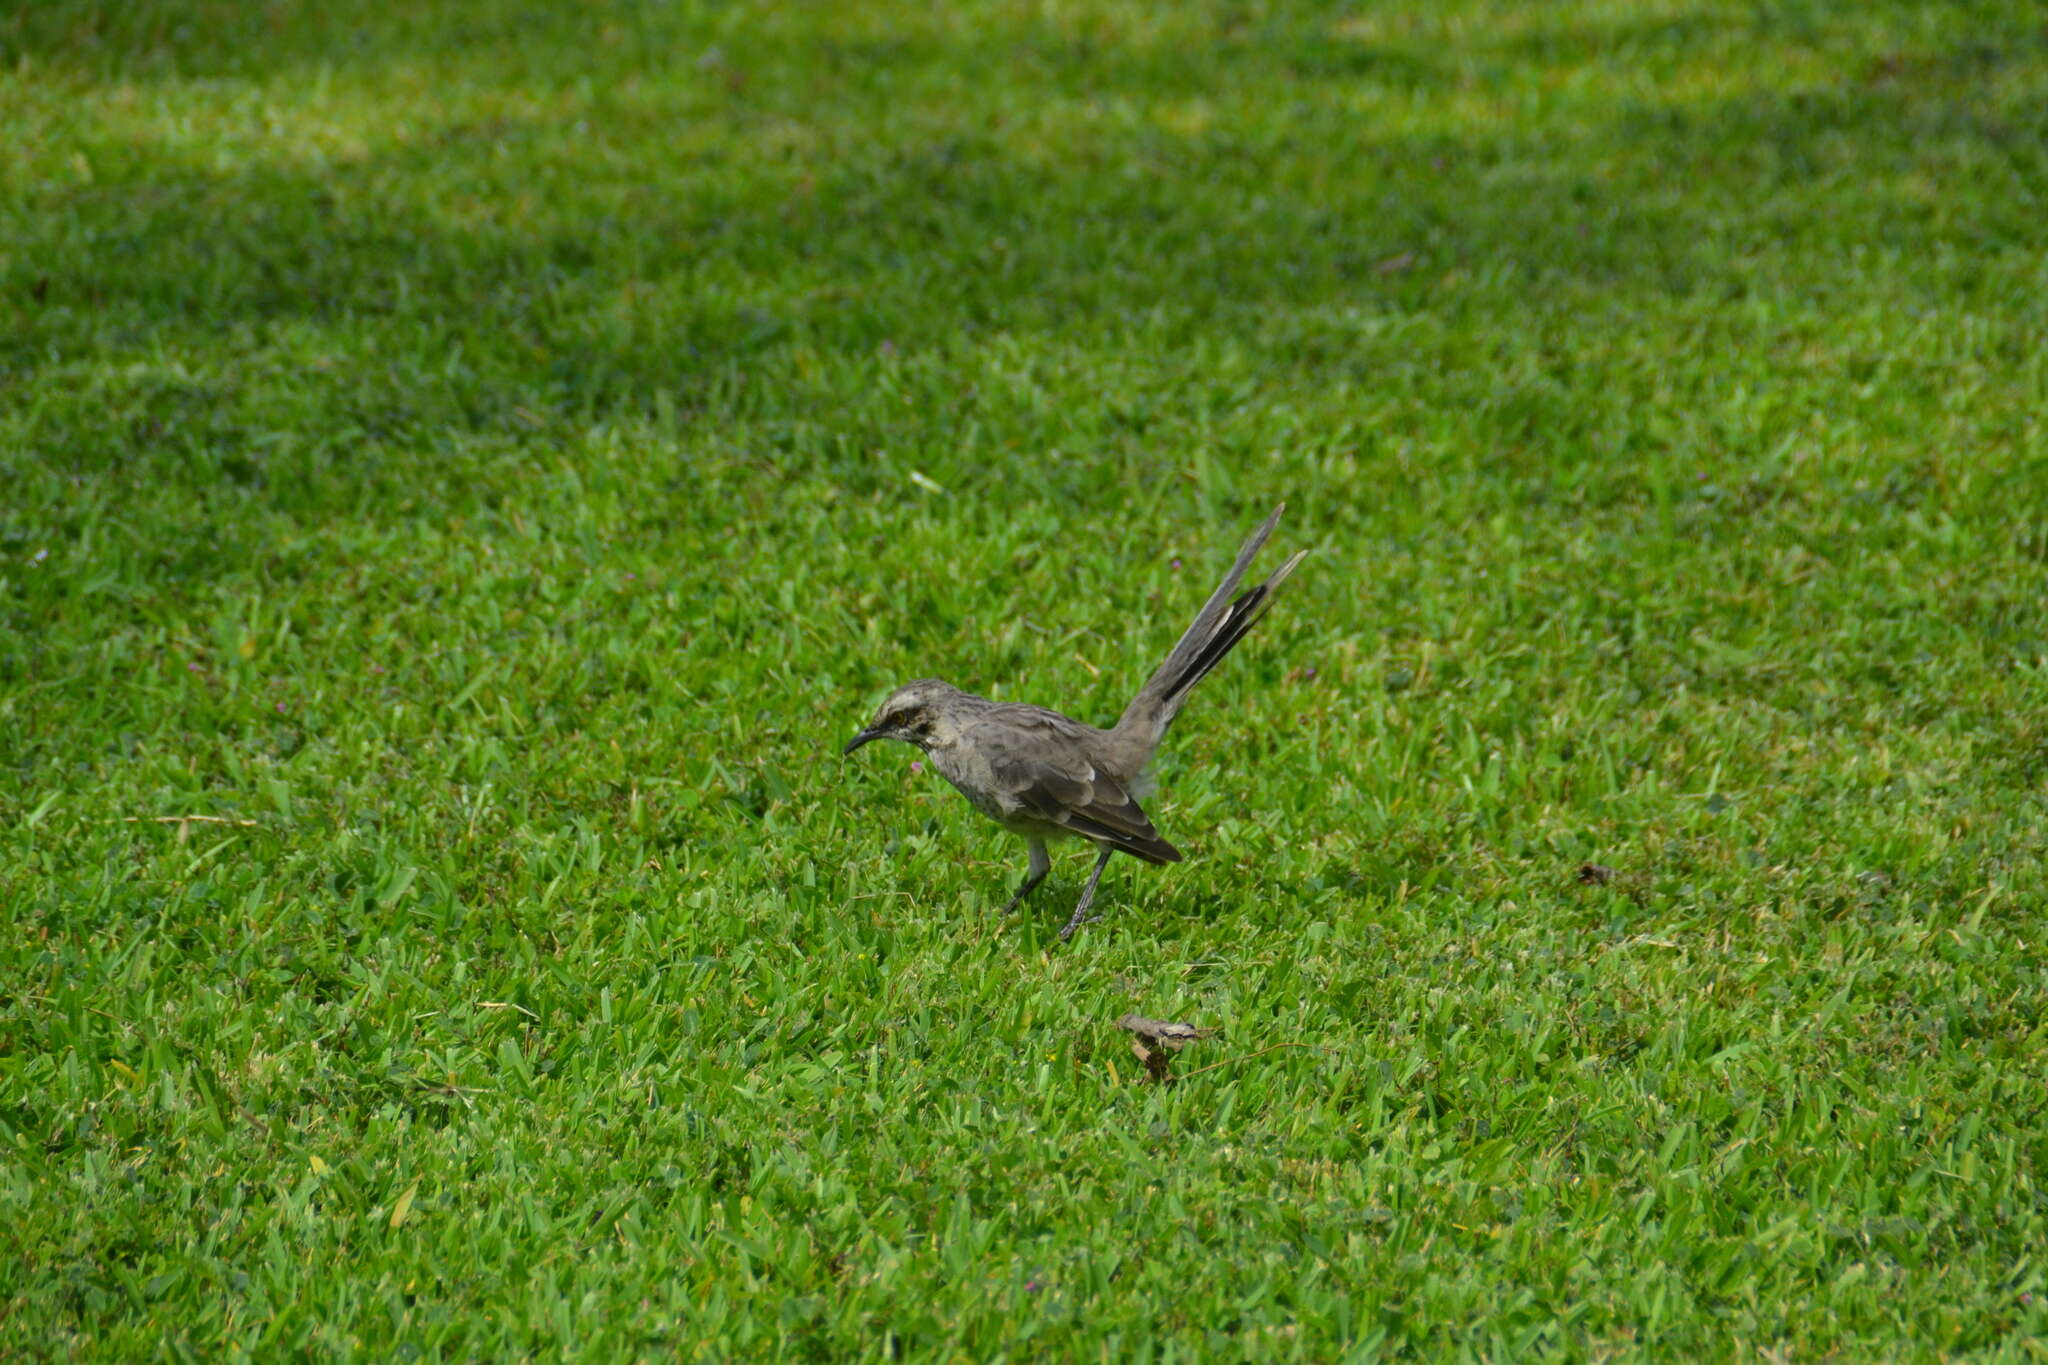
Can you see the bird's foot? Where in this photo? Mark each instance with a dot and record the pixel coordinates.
(1075, 923)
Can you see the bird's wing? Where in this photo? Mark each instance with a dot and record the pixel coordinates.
(1040, 761)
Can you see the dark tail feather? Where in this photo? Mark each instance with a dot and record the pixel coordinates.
(1235, 624)
(1217, 628)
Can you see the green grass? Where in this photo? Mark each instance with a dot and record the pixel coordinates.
(491, 455)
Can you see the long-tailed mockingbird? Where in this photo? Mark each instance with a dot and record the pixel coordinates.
(1039, 774)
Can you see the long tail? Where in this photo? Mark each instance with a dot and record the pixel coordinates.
(1219, 626)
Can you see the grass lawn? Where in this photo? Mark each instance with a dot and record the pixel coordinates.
(479, 460)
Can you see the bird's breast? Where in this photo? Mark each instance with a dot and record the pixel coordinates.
(959, 767)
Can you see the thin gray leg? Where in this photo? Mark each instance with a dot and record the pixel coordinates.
(1081, 915)
(1041, 863)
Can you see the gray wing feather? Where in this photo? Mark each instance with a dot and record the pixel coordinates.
(1044, 769)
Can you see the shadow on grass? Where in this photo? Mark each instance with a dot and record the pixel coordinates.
(665, 253)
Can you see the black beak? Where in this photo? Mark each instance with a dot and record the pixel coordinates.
(860, 739)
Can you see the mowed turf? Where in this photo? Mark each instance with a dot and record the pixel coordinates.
(466, 467)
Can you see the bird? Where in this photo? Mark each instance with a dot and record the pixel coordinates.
(1045, 776)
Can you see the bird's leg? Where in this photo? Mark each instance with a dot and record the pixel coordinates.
(1041, 863)
(1081, 915)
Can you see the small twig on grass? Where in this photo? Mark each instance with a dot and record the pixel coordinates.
(1158, 1038)
(183, 820)
(126, 1024)
(505, 1005)
(1228, 1061)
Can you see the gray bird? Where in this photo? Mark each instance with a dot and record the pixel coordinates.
(1044, 776)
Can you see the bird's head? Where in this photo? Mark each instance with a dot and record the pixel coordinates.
(915, 713)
